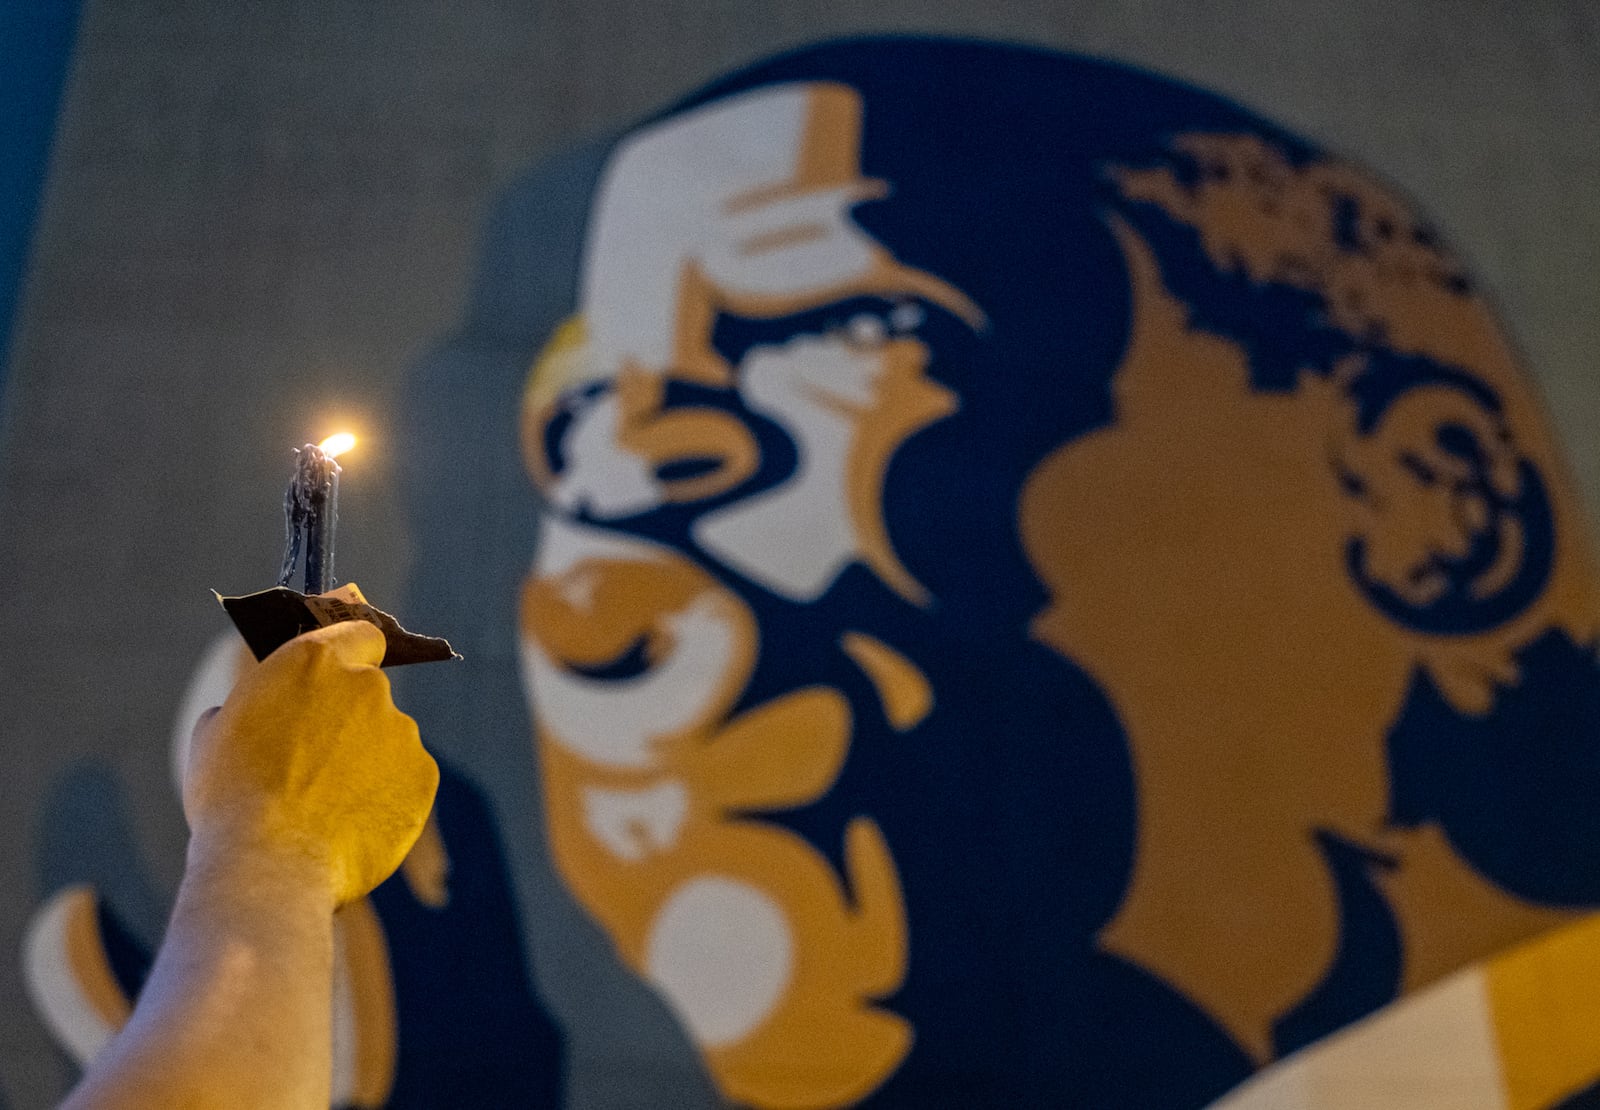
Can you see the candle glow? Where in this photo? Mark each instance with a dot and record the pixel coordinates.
(337, 444)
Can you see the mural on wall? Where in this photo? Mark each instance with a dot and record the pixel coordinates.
(1051, 591)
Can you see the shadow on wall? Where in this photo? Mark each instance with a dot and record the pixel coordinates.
(35, 47)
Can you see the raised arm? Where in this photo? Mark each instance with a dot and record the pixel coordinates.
(303, 792)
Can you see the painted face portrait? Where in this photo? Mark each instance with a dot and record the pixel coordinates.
(988, 578)
(1051, 589)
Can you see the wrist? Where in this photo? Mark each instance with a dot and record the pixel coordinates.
(260, 868)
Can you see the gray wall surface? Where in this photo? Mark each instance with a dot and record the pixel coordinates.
(259, 215)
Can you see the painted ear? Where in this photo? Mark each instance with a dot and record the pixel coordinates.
(82, 970)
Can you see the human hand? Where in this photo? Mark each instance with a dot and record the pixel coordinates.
(309, 764)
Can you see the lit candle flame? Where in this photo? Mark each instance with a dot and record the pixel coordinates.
(337, 444)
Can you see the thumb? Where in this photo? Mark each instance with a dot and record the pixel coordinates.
(355, 643)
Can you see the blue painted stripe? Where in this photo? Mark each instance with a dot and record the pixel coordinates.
(36, 39)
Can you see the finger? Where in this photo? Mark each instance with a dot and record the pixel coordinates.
(372, 682)
(427, 779)
(354, 643)
(401, 741)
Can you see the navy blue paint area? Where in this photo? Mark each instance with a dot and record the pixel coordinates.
(1515, 788)
(1586, 1099)
(36, 40)
(1366, 969)
(129, 959)
(471, 1032)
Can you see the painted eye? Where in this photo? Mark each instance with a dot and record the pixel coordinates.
(907, 316)
(867, 330)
